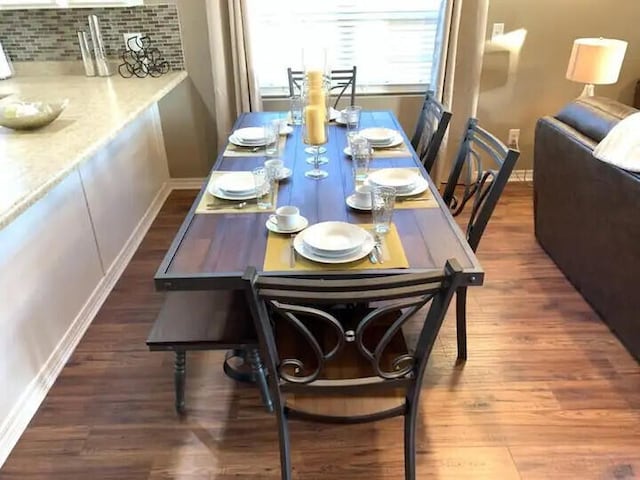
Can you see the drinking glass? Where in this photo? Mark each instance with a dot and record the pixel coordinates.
(351, 116)
(360, 158)
(272, 137)
(382, 202)
(351, 137)
(265, 187)
(295, 109)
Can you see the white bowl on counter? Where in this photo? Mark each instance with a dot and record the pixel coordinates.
(29, 115)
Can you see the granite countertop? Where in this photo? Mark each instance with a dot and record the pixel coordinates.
(33, 162)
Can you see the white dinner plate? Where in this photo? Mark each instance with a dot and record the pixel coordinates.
(250, 134)
(225, 196)
(378, 135)
(273, 226)
(420, 186)
(363, 251)
(401, 179)
(334, 238)
(394, 143)
(236, 141)
(236, 183)
(214, 190)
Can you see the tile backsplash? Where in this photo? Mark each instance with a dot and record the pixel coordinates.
(50, 34)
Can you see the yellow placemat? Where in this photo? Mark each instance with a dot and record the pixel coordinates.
(210, 204)
(423, 200)
(236, 151)
(399, 151)
(278, 255)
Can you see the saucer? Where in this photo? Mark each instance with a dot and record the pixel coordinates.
(302, 224)
(351, 201)
(284, 173)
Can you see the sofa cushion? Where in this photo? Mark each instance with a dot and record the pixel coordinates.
(594, 116)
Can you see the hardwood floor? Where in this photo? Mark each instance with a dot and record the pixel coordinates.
(547, 393)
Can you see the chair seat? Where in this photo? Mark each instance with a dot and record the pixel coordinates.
(203, 320)
(346, 405)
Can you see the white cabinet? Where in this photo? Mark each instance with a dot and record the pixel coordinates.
(49, 266)
(121, 180)
(60, 258)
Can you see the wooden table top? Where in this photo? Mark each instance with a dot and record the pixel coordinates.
(212, 251)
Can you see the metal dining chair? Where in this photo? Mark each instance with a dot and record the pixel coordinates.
(341, 81)
(484, 186)
(432, 125)
(326, 346)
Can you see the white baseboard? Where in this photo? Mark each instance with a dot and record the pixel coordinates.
(521, 176)
(30, 400)
(186, 183)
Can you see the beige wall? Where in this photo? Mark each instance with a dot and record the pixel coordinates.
(535, 85)
(188, 112)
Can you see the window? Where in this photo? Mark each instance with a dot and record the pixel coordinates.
(391, 43)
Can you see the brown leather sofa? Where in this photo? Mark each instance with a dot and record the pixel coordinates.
(587, 212)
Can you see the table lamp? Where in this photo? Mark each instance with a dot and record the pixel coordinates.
(595, 61)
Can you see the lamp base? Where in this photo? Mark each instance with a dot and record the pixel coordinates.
(588, 91)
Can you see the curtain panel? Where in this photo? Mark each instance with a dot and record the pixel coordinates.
(234, 76)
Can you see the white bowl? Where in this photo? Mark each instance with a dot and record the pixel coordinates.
(334, 238)
(399, 178)
(23, 115)
(237, 183)
(250, 134)
(378, 135)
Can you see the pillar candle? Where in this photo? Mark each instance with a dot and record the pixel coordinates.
(314, 116)
(315, 78)
(316, 96)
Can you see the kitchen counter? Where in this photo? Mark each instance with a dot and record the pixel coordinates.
(33, 162)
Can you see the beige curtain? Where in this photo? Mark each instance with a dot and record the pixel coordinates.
(457, 81)
(234, 77)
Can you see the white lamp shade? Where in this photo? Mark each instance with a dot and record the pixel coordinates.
(596, 61)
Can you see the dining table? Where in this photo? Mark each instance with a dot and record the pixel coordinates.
(213, 248)
(218, 242)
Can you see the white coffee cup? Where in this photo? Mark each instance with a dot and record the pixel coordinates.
(276, 166)
(362, 195)
(286, 218)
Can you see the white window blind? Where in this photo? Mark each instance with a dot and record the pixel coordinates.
(391, 43)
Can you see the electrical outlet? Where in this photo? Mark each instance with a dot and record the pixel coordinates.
(498, 29)
(514, 138)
